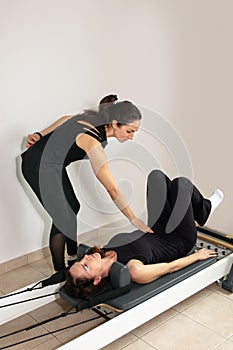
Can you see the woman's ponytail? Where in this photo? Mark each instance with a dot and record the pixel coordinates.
(124, 112)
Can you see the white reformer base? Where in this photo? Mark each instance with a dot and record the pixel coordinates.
(138, 315)
(128, 320)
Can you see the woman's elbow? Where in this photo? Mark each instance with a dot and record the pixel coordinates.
(112, 193)
(136, 275)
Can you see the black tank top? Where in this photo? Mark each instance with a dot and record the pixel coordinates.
(149, 248)
(59, 147)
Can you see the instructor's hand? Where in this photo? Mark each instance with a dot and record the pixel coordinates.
(140, 225)
(31, 139)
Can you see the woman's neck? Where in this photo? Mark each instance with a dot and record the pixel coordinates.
(109, 259)
(109, 130)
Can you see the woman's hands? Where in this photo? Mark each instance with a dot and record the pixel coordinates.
(204, 253)
(31, 139)
(140, 225)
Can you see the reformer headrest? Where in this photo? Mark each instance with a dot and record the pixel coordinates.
(119, 273)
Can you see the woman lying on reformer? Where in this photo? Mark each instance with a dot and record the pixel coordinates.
(173, 208)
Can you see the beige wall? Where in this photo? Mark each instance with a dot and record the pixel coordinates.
(170, 56)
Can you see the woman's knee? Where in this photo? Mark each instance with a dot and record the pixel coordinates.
(155, 176)
(181, 180)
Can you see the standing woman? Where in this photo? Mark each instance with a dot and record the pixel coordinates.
(69, 139)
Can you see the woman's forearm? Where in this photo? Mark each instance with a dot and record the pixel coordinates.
(31, 139)
(183, 262)
(200, 254)
(54, 125)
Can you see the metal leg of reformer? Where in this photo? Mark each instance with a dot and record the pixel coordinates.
(228, 282)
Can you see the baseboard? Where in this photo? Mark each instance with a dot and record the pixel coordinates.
(24, 260)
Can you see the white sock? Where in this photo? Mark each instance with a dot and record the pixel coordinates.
(215, 199)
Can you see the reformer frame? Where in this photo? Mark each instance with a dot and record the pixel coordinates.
(126, 321)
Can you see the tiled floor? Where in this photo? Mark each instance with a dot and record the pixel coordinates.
(204, 321)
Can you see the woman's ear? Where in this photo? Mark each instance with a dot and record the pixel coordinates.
(97, 280)
(114, 124)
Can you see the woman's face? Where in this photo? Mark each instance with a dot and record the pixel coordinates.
(90, 267)
(125, 132)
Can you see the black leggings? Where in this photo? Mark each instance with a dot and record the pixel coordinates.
(57, 240)
(175, 205)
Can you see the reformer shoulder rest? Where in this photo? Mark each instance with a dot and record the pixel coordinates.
(122, 294)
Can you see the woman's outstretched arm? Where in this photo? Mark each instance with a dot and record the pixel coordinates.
(141, 273)
(33, 138)
(100, 167)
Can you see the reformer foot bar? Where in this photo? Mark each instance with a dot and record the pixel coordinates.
(144, 302)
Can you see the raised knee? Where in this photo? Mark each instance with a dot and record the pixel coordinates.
(156, 174)
(181, 179)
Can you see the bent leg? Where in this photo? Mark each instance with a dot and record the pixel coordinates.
(182, 220)
(201, 207)
(158, 205)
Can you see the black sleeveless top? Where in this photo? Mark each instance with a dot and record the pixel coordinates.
(149, 248)
(59, 148)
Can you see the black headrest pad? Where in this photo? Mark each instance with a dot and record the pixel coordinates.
(119, 275)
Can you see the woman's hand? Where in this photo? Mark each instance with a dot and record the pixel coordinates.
(140, 225)
(204, 253)
(31, 139)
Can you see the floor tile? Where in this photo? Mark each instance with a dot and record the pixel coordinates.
(192, 300)
(44, 266)
(225, 293)
(50, 344)
(155, 322)
(121, 342)
(38, 255)
(57, 326)
(17, 324)
(81, 328)
(19, 278)
(11, 264)
(214, 287)
(139, 344)
(215, 312)
(226, 345)
(182, 333)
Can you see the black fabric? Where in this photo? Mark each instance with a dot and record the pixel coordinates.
(49, 157)
(162, 197)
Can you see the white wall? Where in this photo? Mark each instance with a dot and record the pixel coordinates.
(174, 57)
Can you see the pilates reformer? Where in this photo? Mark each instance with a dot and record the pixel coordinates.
(125, 305)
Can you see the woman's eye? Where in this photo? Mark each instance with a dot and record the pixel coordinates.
(86, 267)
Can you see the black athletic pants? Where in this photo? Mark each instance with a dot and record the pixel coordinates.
(57, 240)
(176, 205)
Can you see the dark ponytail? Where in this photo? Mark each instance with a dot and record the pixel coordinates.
(124, 112)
